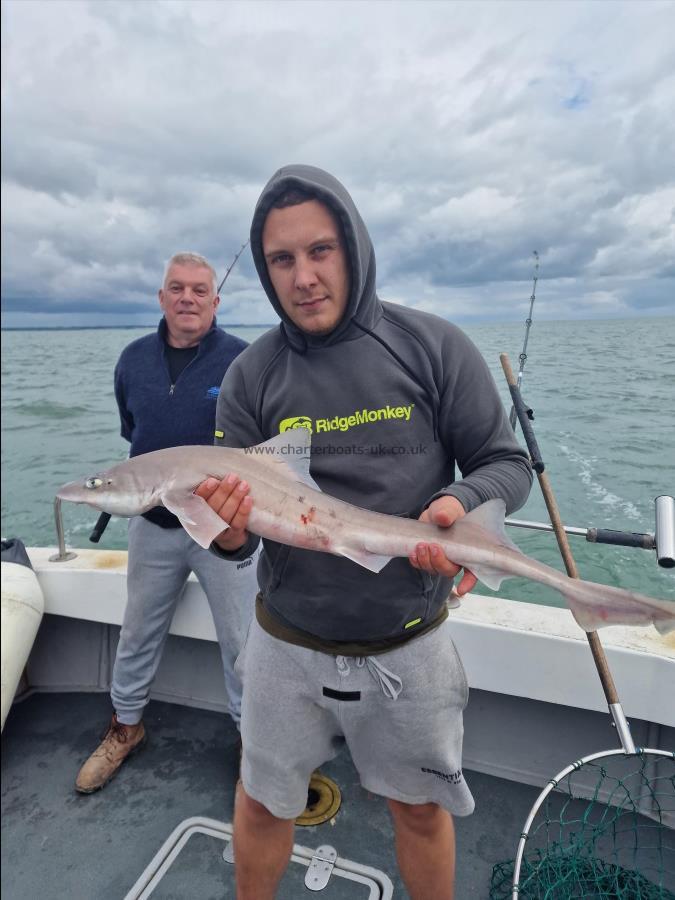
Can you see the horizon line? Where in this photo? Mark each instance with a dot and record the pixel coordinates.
(225, 325)
(104, 327)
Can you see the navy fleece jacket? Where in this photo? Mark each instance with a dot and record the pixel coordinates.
(154, 413)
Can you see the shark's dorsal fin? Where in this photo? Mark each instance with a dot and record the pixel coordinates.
(289, 453)
(490, 516)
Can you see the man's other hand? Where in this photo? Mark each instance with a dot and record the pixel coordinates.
(430, 557)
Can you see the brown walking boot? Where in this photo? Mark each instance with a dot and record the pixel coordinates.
(119, 742)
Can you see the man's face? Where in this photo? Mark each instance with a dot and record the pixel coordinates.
(189, 300)
(307, 264)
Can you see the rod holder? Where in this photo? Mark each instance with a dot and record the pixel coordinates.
(63, 554)
(664, 534)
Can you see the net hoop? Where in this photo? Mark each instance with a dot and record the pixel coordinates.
(553, 783)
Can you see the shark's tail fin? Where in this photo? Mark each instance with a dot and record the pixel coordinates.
(595, 605)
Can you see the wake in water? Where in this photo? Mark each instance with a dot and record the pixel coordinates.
(596, 490)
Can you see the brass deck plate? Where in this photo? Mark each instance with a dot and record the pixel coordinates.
(324, 799)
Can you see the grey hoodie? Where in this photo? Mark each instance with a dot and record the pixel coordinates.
(397, 400)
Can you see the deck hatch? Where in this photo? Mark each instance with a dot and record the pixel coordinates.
(190, 860)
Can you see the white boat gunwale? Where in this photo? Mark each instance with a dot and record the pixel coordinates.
(507, 647)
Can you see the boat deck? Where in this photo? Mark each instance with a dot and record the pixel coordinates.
(536, 705)
(61, 844)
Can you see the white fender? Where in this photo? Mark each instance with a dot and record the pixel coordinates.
(22, 608)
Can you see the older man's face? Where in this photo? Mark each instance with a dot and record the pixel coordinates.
(189, 301)
(307, 264)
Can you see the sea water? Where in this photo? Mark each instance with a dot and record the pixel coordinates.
(603, 393)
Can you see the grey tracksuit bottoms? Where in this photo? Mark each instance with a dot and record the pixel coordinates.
(160, 561)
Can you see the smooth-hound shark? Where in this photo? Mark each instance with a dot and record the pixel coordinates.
(289, 507)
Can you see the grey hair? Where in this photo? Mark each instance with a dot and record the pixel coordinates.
(192, 259)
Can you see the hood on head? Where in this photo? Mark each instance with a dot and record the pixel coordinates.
(362, 303)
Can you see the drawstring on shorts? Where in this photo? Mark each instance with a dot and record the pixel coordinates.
(390, 683)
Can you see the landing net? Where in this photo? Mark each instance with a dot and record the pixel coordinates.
(603, 828)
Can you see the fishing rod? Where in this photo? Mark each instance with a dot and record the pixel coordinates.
(232, 265)
(522, 359)
(104, 518)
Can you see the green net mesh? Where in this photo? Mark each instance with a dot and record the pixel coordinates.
(607, 830)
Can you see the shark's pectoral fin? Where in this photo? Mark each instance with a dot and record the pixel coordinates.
(196, 516)
(374, 562)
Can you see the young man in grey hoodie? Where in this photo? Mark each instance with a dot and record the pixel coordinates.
(396, 400)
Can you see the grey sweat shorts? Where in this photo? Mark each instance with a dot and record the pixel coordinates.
(400, 714)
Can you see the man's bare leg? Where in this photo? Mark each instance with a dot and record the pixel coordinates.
(425, 848)
(262, 848)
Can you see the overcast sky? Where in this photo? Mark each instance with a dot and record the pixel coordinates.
(469, 135)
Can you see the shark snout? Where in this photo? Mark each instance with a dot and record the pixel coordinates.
(75, 491)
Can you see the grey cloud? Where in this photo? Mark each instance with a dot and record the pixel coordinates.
(469, 135)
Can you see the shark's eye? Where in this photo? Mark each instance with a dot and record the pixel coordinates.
(93, 483)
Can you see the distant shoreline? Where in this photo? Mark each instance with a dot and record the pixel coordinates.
(125, 327)
(462, 322)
